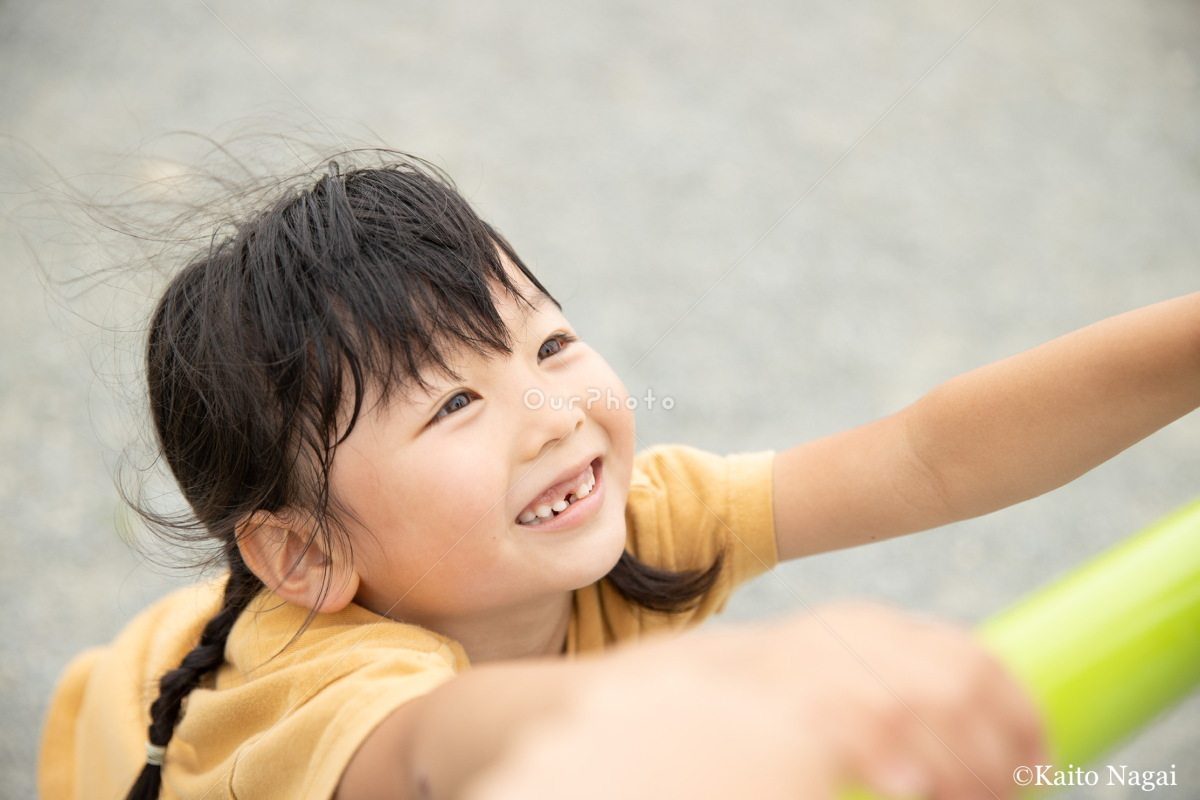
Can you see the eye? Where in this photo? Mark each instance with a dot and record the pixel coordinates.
(458, 402)
(554, 345)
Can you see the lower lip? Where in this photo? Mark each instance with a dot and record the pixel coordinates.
(578, 512)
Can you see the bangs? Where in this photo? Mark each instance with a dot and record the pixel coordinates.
(368, 281)
(390, 274)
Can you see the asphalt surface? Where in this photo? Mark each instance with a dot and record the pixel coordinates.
(790, 217)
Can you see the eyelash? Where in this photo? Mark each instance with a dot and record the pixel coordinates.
(563, 338)
(443, 412)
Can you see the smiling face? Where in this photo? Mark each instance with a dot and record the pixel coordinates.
(437, 483)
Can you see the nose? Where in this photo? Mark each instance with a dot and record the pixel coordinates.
(550, 420)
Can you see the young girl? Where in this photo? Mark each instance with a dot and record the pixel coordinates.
(413, 465)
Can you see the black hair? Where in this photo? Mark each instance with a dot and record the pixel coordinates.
(262, 349)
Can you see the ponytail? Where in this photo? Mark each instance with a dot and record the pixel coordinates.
(177, 684)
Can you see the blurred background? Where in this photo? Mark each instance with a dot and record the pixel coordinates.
(789, 217)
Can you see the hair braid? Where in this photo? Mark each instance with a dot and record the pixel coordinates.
(177, 684)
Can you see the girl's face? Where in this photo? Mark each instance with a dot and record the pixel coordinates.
(437, 483)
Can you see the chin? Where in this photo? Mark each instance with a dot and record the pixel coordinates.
(601, 558)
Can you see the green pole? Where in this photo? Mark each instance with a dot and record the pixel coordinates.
(1113, 644)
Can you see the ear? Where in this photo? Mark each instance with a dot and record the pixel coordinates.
(282, 551)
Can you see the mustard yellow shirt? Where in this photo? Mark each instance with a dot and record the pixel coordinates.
(282, 718)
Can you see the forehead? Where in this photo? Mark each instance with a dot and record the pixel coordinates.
(517, 312)
(410, 367)
(532, 303)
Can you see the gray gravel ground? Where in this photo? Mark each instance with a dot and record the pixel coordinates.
(790, 217)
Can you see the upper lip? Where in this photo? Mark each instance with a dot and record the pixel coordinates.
(565, 475)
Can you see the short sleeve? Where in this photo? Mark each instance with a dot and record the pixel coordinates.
(299, 725)
(687, 505)
(288, 712)
(686, 508)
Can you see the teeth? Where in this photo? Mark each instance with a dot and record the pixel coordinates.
(544, 512)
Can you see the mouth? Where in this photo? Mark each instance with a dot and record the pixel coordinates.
(562, 498)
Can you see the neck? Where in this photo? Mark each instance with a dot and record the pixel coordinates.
(535, 629)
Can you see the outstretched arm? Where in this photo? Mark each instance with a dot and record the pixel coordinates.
(995, 436)
(850, 693)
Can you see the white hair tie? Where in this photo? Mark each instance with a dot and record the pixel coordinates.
(155, 754)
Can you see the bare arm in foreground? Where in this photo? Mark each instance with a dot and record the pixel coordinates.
(791, 710)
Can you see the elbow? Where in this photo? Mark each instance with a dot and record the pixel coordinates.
(923, 476)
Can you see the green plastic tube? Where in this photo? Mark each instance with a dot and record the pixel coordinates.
(1111, 645)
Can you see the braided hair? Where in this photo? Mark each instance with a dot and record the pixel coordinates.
(262, 349)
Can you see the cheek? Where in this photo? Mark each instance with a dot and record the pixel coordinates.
(415, 502)
(618, 420)
(621, 429)
(426, 526)
(453, 488)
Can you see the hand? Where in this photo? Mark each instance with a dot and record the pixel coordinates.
(909, 707)
(851, 694)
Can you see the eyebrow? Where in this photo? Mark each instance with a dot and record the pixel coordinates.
(440, 382)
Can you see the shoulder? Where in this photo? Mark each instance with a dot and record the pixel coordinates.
(158, 638)
(686, 505)
(95, 725)
(690, 479)
(273, 636)
(290, 709)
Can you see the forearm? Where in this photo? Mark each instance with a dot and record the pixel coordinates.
(783, 710)
(1028, 424)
